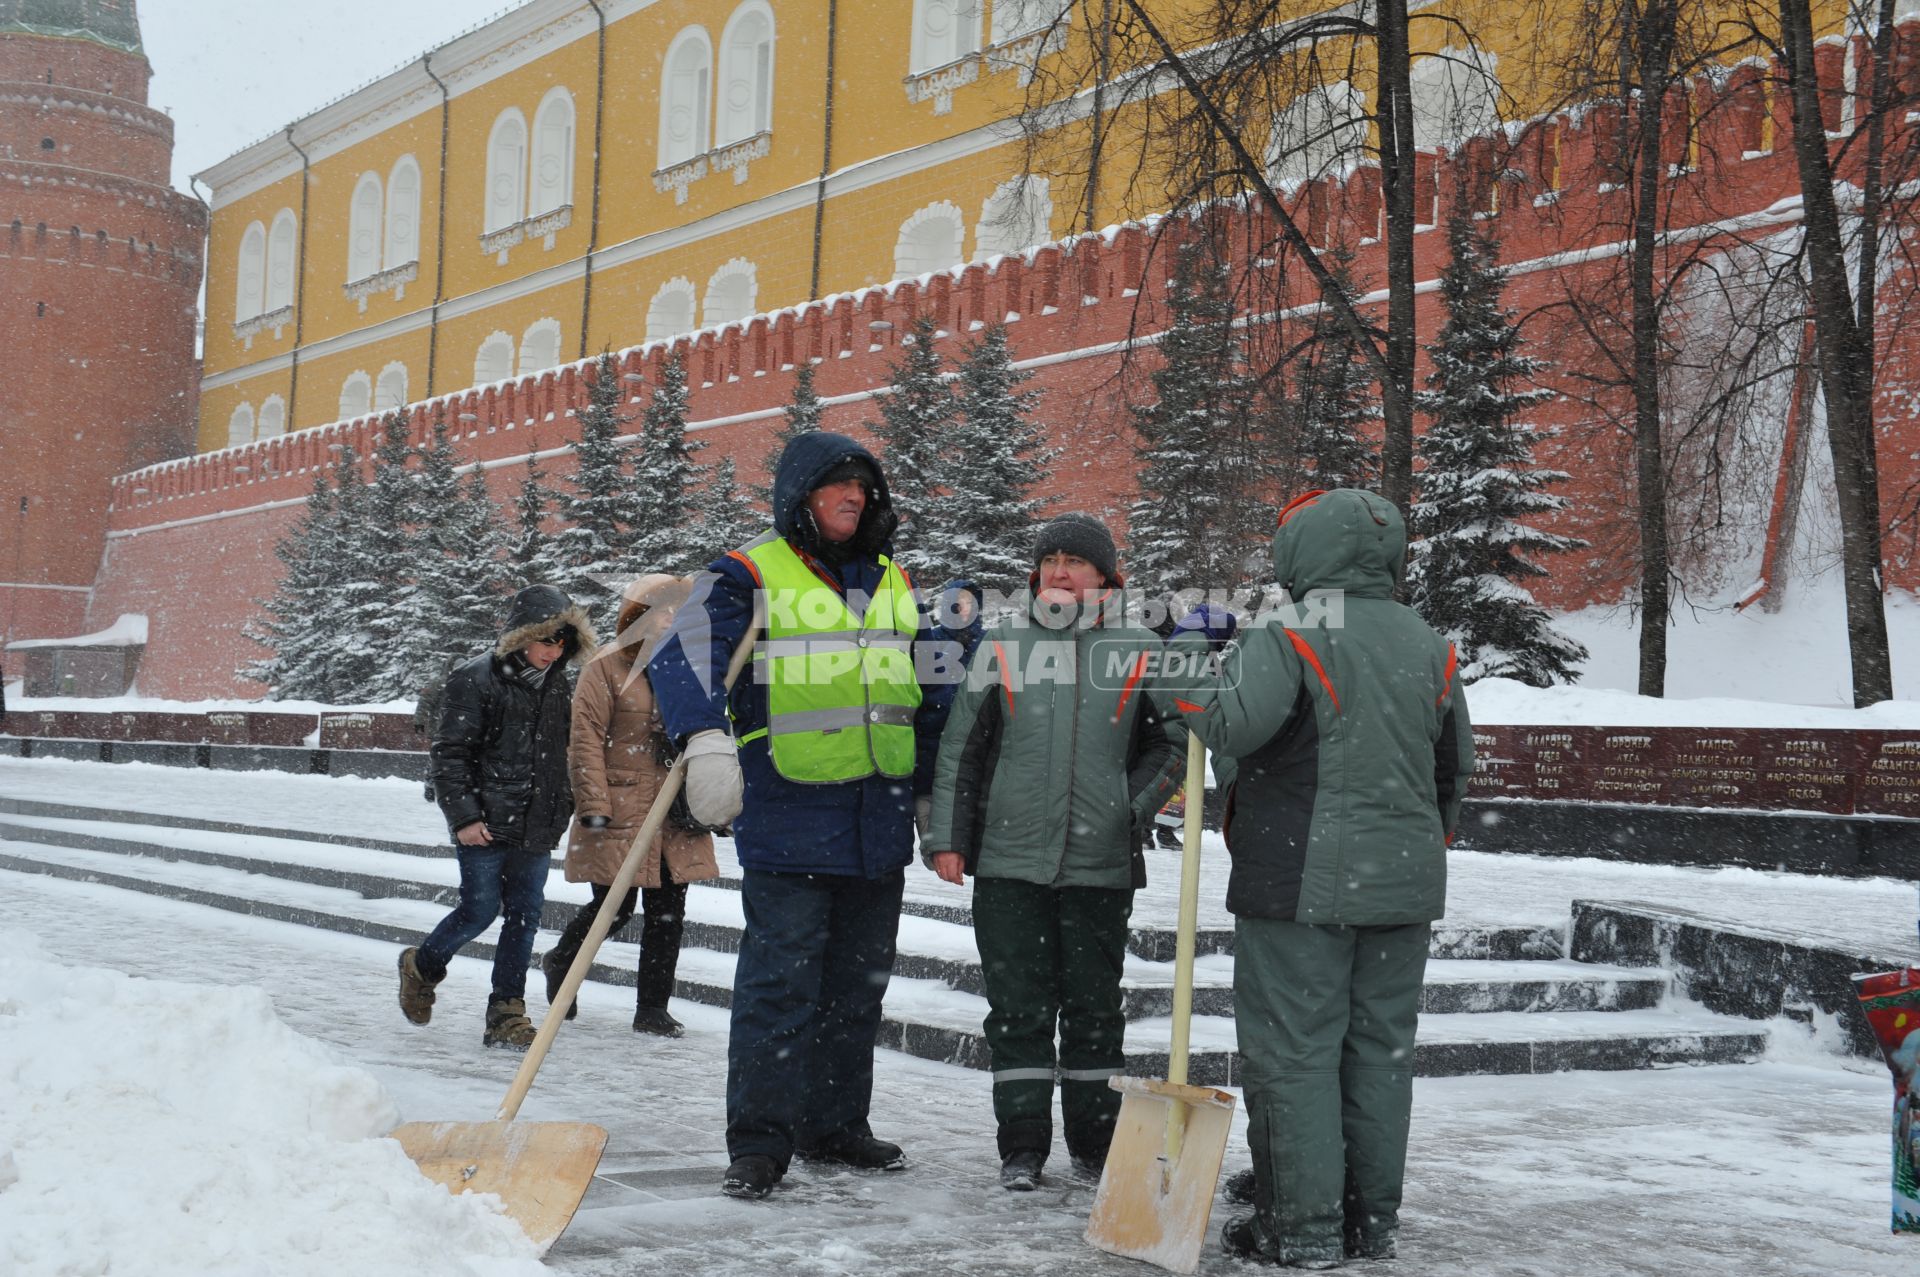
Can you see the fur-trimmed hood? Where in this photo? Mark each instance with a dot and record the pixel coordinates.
(540, 612)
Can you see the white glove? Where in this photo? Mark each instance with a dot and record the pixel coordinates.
(714, 784)
(923, 813)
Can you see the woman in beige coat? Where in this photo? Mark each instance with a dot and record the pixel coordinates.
(615, 757)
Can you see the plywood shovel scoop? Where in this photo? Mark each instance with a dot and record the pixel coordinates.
(541, 1170)
(1156, 1193)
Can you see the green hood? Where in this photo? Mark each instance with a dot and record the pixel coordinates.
(1346, 540)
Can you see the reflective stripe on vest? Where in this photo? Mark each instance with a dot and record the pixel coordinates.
(841, 690)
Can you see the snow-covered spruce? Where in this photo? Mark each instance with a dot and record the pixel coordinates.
(1328, 430)
(603, 512)
(1472, 546)
(914, 428)
(995, 458)
(802, 415)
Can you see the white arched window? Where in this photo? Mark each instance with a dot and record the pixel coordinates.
(363, 228)
(390, 391)
(250, 279)
(495, 360)
(685, 97)
(1456, 95)
(730, 294)
(540, 347)
(552, 179)
(944, 31)
(356, 396)
(403, 214)
(1019, 214)
(1321, 132)
(930, 240)
(282, 247)
(273, 418)
(671, 311)
(240, 426)
(507, 170)
(746, 73)
(1015, 18)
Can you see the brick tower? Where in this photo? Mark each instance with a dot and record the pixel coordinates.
(100, 264)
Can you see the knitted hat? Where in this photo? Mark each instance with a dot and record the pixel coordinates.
(1080, 535)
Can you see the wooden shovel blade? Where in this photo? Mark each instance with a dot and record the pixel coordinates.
(1149, 1208)
(541, 1170)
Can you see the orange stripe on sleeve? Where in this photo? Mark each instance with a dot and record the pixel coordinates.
(1188, 707)
(1446, 686)
(1006, 674)
(752, 567)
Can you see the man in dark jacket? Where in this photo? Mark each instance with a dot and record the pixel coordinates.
(1343, 740)
(815, 761)
(500, 777)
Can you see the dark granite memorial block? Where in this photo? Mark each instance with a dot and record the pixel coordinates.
(1627, 765)
(372, 731)
(180, 729)
(159, 753)
(1462, 1059)
(1808, 770)
(80, 751)
(1713, 767)
(1889, 777)
(254, 758)
(377, 763)
(227, 727)
(267, 728)
(12, 747)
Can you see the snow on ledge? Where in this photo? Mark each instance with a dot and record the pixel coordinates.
(129, 631)
(1492, 701)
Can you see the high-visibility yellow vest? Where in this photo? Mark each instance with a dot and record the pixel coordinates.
(841, 690)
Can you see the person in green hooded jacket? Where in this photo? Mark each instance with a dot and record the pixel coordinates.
(1053, 761)
(1342, 736)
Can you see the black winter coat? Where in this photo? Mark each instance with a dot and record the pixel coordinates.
(501, 753)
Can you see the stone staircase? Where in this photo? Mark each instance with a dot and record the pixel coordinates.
(1496, 1000)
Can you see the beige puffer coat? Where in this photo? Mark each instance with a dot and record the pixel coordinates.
(616, 772)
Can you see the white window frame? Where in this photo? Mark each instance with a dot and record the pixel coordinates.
(1455, 95)
(749, 64)
(910, 239)
(386, 396)
(1019, 209)
(240, 426)
(551, 148)
(929, 53)
(400, 241)
(495, 356)
(283, 248)
(272, 421)
(661, 324)
(250, 275)
(538, 358)
(690, 45)
(506, 195)
(1015, 18)
(722, 288)
(364, 227)
(356, 395)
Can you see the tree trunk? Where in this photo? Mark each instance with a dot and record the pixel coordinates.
(1397, 174)
(1654, 43)
(1845, 358)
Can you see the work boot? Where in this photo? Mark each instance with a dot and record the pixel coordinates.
(752, 1177)
(861, 1152)
(1020, 1170)
(655, 1020)
(507, 1024)
(555, 970)
(416, 990)
(1245, 1237)
(1239, 1187)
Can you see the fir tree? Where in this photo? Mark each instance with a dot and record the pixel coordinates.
(914, 427)
(348, 664)
(461, 572)
(1204, 502)
(601, 514)
(669, 526)
(380, 592)
(731, 518)
(1335, 401)
(530, 558)
(1473, 547)
(802, 415)
(300, 625)
(994, 462)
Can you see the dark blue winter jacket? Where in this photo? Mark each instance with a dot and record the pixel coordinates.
(862, 827)
(965, 638)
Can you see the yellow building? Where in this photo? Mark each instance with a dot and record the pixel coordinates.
(586, 174)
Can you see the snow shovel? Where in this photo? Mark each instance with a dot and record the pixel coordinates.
(1157, 1190)
(542, 1170)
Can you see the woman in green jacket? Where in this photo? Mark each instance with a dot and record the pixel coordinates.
(1051, 767)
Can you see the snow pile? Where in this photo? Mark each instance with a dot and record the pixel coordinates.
(129, 631)
(1502, 700)
(153, 1128)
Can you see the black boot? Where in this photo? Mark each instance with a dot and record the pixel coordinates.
(554, 964)
(751, 1177)
(861, 1152)
(1239, 1187)
(655, 1020)
(1020, 1170)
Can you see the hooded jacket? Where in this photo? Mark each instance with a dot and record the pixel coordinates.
(499, 754)
(860, 827)
(1342, 729)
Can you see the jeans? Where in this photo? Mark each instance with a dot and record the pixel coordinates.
(814, 964)
(493, 881)
(663, 917)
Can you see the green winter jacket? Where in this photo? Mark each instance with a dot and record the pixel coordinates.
(1055, 758)
(1342, 730)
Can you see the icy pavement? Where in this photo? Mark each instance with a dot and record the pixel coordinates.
(1865, 915)
(1777, 1168)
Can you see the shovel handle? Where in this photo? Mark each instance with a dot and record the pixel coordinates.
(617, 892)
(1184, 942)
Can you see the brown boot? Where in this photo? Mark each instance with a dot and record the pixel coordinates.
(508, 1025)
(416, 991)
